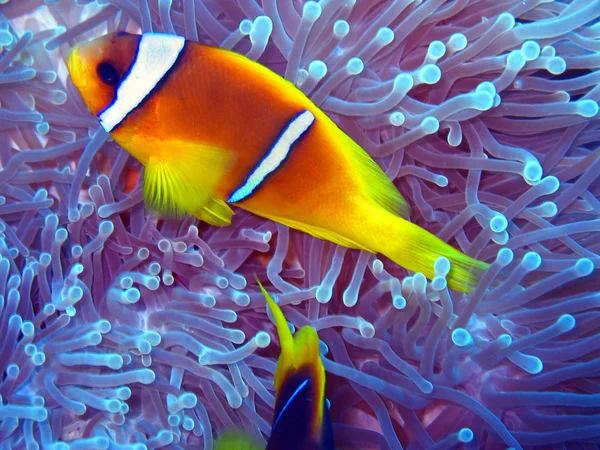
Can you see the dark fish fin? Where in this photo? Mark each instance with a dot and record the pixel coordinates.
(299, 386)
(327, 442)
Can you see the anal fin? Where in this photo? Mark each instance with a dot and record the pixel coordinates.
(318, 232)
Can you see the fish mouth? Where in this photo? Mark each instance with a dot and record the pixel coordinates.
(75, 65)
(72, 58)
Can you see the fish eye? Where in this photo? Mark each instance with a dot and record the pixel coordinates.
(108, 74)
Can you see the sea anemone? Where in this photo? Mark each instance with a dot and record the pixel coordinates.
(121, 330)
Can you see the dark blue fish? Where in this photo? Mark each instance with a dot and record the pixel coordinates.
(301, 420)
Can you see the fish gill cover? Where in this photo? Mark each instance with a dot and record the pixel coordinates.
(122, 331)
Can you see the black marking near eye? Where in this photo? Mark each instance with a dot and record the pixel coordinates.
(108, 74)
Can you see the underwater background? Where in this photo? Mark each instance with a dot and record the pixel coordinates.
(122, 331)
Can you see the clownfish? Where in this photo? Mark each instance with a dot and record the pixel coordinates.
(301, 420)
(214, 128)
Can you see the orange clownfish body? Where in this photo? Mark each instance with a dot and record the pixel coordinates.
(214, 128)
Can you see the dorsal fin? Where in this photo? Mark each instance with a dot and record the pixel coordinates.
(376, 184)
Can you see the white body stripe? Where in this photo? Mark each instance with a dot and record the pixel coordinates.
(156, 55)
(294, 131)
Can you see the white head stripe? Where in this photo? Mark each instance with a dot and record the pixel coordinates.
(156, 55)
(295, 129)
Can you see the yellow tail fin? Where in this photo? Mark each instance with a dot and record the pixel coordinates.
(416, 249)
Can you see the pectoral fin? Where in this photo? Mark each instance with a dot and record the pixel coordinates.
(182, 178)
